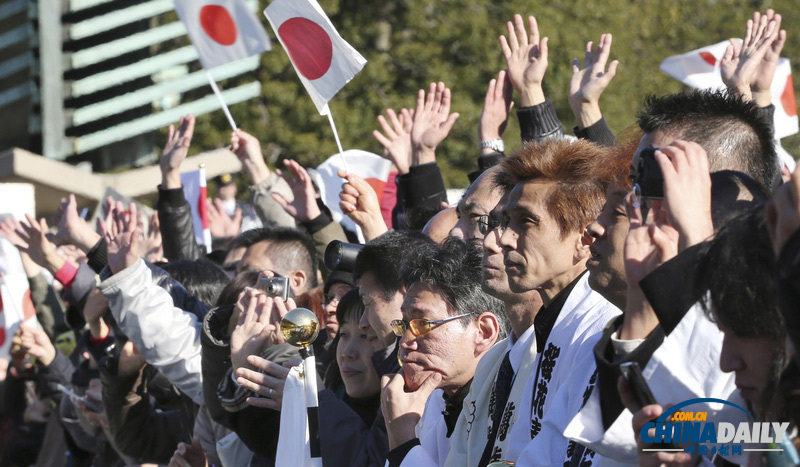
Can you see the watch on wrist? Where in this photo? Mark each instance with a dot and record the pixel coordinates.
(494, 144)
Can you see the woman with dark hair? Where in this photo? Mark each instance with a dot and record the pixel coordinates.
(352, 430)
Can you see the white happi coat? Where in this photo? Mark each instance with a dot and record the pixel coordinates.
(560, 373)
(432, 433)
(685, 366)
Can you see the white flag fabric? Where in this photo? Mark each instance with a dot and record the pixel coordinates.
(373, 168)
(223, 31)
(196, 193)
(15, 296)
(294, 448)
(323, 60)
(701, 69)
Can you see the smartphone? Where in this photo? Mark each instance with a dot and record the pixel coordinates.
(83, 400)
(648, 175)
(275, 286)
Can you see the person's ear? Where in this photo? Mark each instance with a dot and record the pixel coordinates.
(582, 243)
(297, 281)
(488, 330)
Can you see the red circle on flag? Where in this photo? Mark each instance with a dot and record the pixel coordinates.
(787, 98)
(218, 24)
(2, 336)
(308, 45)
(708, 58)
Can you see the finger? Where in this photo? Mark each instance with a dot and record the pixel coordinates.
(431, 97)
(383, 140)
(448, 124)
(420, 106)
(522, 36)
(534, 30)
(397, 125)
(748, 33)
(777, 45)
(272, 368)
(513, 41)
(612, 70)
(430, 384)
(587, 55)
(444, 108)
(543, 51)
(284, 203)
(505, 47)
(634, 210)
(263, 403)
(386, 127)
(728, 55)
(603, 51)
(490, 93)
(576, 66)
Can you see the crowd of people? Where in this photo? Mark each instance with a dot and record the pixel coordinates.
(508, 328)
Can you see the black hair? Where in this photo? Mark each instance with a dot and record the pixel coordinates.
(230, 294)
(733, 194)
(383, 257)
(737, 269)
(202, 278)
(350, 307)
(454, 269)
(289, 249)
(733, 131)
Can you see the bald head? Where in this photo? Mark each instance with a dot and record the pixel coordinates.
(438, 228)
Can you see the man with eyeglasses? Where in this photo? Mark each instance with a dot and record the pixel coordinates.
(448, 324)
(480, 197)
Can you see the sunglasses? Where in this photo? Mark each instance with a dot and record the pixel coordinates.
(419, 327)
(486, 224)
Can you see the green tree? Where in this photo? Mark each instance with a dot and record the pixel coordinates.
(409, 43)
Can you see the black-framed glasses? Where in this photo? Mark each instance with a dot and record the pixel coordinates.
(420, 326)
(486, 224)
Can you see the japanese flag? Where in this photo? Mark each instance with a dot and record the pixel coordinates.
(701, 69)
(223, 31)
(196, 193)
(324, 61)
(373, 168)
(15, 296)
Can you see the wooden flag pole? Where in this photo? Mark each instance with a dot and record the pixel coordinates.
(221, 100)
(336, 136)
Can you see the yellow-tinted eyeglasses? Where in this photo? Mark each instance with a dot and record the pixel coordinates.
(420, 326)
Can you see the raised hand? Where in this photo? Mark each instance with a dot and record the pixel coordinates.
(762, 82)
(175, 152)
(151, 247)
(267, 383)
(496, 106)
(741, 61)
(432, 123)
(526, 59)
(687, 191)
(360, 202)
(396, 138)
(258, 325)
(122, 237)
(37, 344)
(36, 244)
(304, 205)
(588, 83)
(72, 229)
(220, 223)
(248, 149)
(648, 244)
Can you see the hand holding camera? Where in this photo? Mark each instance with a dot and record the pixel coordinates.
(682, 170)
